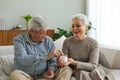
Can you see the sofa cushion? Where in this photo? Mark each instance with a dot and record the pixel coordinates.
(109, 58)
(4, 77)
(116, 74)
(110, 72)
(59, 42)
(6, 62)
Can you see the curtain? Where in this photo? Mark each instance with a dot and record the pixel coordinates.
(105, 15)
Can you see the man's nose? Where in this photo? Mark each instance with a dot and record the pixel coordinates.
(42, 35)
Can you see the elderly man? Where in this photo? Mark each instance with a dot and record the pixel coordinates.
(35, 54)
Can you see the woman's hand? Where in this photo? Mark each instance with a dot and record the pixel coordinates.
(72, 61)
(49, 74)
(59, 63)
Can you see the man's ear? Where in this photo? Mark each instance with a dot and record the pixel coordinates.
(31, 30)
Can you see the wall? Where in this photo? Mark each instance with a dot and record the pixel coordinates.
(57, 12)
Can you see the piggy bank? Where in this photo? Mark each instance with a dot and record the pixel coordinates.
(63, 59)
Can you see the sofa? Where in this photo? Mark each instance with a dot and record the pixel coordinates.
(109, 58)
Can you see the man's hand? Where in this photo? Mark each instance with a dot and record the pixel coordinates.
(55, 53)
(49, 74)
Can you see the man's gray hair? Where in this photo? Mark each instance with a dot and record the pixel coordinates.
(37, 23)
(81, 17)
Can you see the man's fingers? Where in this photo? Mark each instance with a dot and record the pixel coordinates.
(57, 54)
(60, 52)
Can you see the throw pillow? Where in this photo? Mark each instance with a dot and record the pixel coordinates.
(6, 62)
(59, 43)
(1, 71)
(109, 58)
(3, 76)
(116, 63)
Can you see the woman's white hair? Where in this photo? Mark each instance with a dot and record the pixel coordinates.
(81, 17)
(37, 23)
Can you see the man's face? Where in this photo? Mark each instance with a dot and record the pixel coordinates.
(37, 36)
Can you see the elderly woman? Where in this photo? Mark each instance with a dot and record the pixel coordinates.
(83, 51)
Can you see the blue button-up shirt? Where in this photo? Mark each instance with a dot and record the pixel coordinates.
(33, 57)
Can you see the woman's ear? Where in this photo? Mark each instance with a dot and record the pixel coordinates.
(86, 27)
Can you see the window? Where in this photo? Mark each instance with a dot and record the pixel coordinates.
(105, 15)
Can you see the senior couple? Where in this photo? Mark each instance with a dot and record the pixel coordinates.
(36, 56)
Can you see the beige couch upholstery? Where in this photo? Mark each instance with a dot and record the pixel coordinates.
(109, 58)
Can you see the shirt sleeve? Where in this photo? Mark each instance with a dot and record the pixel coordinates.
(93, 58)
(52, 62)
(22, 57)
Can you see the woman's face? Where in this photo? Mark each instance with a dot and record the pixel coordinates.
(78, 27)
(37, 36)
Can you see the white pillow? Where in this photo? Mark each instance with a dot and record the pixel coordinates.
(59, 43)
(1, 71)
(7, 62)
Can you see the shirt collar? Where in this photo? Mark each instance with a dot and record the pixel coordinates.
(29, 40)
